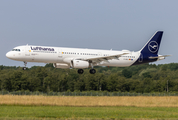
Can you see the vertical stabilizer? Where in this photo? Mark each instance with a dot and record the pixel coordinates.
(152, 46)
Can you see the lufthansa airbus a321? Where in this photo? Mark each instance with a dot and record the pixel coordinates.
(62, 57)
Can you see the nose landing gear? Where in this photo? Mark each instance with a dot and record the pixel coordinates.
(25, 64)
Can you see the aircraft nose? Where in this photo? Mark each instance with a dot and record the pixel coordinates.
(9, 55)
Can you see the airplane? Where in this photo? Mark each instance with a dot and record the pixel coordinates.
(63, 57)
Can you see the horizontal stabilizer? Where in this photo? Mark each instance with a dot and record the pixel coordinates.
(159, 57)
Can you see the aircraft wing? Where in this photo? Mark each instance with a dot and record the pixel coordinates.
(103, 58)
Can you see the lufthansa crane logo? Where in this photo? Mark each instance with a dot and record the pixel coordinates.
(153, 46)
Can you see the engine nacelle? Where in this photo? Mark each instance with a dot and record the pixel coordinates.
(80, 64)
(61, 65)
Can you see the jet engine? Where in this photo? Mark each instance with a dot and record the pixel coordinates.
(61, 65)
(80, 64)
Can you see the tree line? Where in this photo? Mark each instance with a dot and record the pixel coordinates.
(144, 78)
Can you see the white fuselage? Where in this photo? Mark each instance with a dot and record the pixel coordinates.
(63, 55)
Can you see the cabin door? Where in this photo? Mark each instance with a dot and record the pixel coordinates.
(27, 50)
(60, 54)
(141, 58)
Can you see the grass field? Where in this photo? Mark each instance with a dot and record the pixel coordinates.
(45, 107)
(138, 101)
(56, 112)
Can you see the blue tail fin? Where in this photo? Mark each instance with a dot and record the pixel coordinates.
(152, 46)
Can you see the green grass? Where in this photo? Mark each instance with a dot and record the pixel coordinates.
(56, 112)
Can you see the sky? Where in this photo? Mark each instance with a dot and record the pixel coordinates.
(95, 24)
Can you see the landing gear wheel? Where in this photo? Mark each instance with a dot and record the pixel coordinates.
(24, 68)
(80, 71)
(92, 71)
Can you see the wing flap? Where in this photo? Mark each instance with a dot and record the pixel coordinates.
(105, 58)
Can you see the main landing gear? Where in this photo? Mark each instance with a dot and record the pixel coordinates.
(25, 64)
(80, 71)
(92, 71)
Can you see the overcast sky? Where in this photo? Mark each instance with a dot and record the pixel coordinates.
(99, 24)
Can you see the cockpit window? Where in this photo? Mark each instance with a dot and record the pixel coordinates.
(15, 49)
